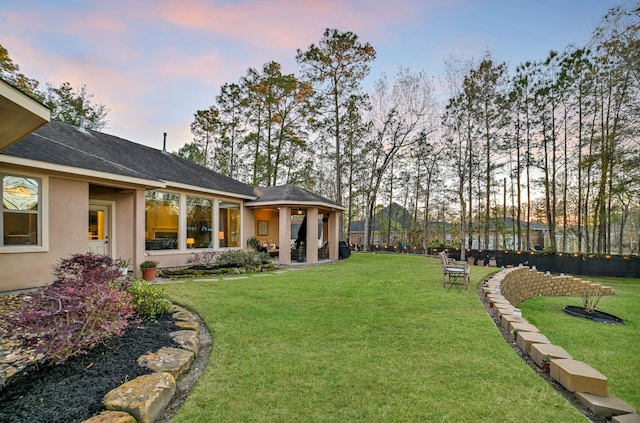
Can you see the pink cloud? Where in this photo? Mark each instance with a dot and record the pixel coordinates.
(289, 24)
(132, 58)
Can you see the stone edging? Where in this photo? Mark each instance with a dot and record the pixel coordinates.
(156, 397)
(509, 287)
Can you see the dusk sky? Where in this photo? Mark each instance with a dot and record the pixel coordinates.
(154, 63)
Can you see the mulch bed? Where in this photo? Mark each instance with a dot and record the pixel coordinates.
(73, 392)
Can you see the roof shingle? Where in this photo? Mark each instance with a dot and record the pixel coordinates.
(64, 144)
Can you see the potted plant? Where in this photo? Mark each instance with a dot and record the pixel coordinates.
(124, 266)
(546, 363)
(149, 269)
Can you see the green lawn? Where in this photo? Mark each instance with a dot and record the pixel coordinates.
(613, 350)
(373, 338)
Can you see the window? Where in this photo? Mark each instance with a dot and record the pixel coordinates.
(229, 226)
(162, 212)
(199, 222)
(21, 211)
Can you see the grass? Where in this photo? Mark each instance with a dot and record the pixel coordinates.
(613, 350)
(374, 338)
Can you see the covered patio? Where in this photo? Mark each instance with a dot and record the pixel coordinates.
(295, 224)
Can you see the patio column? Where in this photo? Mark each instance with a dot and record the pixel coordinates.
(284, 235)
(334, 235)
(139, 244)
(312, 235)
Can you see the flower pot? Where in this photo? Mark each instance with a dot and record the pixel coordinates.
(480, 263)
(547, 367)
(124, 271)
(149, 274)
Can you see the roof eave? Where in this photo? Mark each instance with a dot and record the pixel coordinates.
(276, 203)
(171, 184)
(21, 115)
(81, 172)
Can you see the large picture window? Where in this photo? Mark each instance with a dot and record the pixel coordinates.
(162, 215)
(21, 209)
(199, 222)
(229, 226)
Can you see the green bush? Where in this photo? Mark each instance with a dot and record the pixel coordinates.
(241, 258)
(149, 300)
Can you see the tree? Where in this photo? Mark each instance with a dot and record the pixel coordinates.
(336, 66)
(458, 138)
(231, 105)
(355, 131)
(277, 107)
(10, 72)
(484, 89)
(206, 130)
(191, 152)
(74, 107)
(402, 116)
(66, 105)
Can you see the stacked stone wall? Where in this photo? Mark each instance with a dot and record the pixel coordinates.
(521, 283)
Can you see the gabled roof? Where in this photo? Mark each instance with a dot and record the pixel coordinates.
(66, 145)
(290, 195)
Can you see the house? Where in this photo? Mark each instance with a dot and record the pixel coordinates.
(68, 190)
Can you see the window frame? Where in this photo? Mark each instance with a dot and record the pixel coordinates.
(211, 218)
(219, 223)
(183, 209)
(42, 214)
(179, 227)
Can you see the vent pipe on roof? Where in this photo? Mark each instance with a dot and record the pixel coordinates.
(82, 127)
(164, 143)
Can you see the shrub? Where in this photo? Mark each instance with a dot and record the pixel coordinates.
(206, 258)
(590, 299)
(241, 258)
(149, 300)
(69, 318)
(80, 309)
(99, 266)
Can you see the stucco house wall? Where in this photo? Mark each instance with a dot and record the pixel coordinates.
(32, 266)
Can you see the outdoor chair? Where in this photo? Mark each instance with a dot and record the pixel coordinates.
(454, 273)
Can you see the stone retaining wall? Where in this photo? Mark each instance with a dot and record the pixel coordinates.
(521, 283)
(511, 286)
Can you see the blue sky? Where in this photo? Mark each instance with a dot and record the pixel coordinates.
(153, 63)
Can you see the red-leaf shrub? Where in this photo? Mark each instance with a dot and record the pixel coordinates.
(79, 310)
(100, 266)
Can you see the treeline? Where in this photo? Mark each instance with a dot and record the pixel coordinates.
(553, 140)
